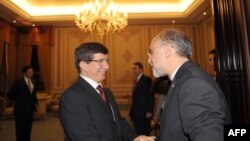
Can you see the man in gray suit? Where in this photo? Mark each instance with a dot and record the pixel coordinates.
(195, 108)
(87, 111)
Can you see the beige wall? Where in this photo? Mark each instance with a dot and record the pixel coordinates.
(207, 43)
(125, 48)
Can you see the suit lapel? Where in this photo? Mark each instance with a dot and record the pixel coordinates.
(169, 94)
(140, 80)
(91, 92)
(138, 83)
(26, 86)
(111, 104)
(175, 82)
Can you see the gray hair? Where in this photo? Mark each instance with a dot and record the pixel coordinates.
(178, 39)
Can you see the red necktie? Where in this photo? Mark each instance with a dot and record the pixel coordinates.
(101, 92)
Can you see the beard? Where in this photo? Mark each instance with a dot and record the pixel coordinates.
(157, 72)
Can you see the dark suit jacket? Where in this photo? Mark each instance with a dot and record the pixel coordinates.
(25, 101)
(195, 108)
(142, 98)
(86, 117)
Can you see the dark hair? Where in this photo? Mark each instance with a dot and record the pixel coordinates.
(25, 68)
(86, 51)
(139, 65)
(213, 51)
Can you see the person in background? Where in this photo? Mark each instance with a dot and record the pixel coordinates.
(87, 111)
(141, 111)
(211, 62)
(23, 93)
(160, 88)
(195, 108)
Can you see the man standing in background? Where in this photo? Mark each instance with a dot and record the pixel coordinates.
(211, 62)
(23, 93)
(142, 107)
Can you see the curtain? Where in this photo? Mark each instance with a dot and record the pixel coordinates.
(24, 48)
(232, 47)
(42, 38)
(44, 55)
(3, 70)
(1, 53)
(7, 55)
(11, 55)
(246, 5)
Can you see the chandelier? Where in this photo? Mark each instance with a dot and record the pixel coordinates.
(102, 16)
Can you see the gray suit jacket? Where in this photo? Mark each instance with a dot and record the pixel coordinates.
(86, 117)
(195, 108)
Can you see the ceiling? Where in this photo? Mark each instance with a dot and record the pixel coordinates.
(61, 12)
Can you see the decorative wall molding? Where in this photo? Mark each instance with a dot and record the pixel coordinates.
(124, 49)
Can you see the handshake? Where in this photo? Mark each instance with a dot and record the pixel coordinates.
(144, 138)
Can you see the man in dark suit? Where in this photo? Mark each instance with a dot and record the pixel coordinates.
(87, 111)
(142, 107)
(195, 108)
(23, 93)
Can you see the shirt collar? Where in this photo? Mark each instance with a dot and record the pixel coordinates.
(26, 79)
(93, 83)
(174, 73)
(139, 76)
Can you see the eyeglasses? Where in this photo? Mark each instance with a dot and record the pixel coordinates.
(99, 60)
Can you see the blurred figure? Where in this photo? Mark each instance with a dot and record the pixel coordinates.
(211, 62)
(87, 111)
(195, 108)
(23, 93)
(160, 87)
(141, 111)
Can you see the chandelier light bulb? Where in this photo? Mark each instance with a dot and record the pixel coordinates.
(102, 16)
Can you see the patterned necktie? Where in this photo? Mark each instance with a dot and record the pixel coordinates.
(101, 92)
(29, 85)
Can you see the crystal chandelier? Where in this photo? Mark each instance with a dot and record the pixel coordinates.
(102, 16)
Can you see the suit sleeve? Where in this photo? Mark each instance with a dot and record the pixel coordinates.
(202, 110)
(128, 134)
(76, 119)
(150, 96)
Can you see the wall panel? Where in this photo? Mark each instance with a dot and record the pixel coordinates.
(125, 48)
